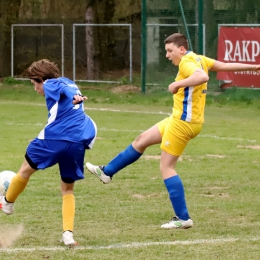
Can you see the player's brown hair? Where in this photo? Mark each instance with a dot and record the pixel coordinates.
(177, 39)
(43, 69)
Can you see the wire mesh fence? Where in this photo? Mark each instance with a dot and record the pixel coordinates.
(30, 42)
(109, 53)
(199, 20)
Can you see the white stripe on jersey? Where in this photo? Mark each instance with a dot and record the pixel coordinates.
(52, 117)
(189, 105)
(94, 139)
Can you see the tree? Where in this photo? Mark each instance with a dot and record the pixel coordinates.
(8, 15)
(211, 28)
(99, 43)
(90, 50)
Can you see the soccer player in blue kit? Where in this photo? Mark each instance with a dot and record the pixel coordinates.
(68, 132)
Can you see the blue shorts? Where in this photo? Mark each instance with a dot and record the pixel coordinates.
(42, 154)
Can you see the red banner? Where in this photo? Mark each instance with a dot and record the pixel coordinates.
(239, 44)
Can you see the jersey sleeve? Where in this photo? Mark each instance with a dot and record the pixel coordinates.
(69, 88)
(187, 68)
(52, 89)
(209, 62)
(68, 92)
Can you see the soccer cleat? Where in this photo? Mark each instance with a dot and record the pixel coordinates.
(98, 172)
(67, 239)
(178, 223)
(7, 207)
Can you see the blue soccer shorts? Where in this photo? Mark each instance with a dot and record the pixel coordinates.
(42, 154)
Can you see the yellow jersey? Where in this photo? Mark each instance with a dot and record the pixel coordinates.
(189, 102)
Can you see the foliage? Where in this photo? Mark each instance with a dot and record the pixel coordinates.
(11, 81)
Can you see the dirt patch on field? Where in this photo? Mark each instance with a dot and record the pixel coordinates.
(214, 195)
(217, 188)
(158, 157)
(8, 235)
(254, 147)
(125, 89)
(216, 156)
(140, 196)
(216, 191)
(152, 157)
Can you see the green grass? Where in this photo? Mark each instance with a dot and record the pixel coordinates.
(121, 220)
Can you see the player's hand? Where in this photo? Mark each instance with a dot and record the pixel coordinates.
(78, 99)
(258, 69)
(173, 88)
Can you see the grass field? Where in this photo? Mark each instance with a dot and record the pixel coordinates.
(121, 220)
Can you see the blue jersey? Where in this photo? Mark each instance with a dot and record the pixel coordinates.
(66, 121)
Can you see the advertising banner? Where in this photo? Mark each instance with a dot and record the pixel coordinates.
(239, 44)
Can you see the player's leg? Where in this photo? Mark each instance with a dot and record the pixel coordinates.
(177, 135)
(134, 151)
(131, 154)
(71, 164)
(16, 187)
(68, 211)
(40, 154)
(176, 193)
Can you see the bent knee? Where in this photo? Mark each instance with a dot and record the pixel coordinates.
(140, 143)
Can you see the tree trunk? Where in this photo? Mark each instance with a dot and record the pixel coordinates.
(9, 14)
(90, 43)
(211, 28)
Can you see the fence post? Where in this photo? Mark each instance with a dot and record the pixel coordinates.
(200, 27)
(144, 51)
(185, 25)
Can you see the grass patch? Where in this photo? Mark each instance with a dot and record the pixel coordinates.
(121, 220)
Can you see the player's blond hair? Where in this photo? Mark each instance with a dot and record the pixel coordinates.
(43, 69)
(177, 39)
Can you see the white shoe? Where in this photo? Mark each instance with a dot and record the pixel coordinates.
(98, 172)
(178, 223)
(67, 239)
(7, 207)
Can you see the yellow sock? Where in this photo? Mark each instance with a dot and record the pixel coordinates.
(68, 211)
(16, 187)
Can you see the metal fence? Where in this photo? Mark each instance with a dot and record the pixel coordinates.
(112, 61)
(81, 56)
(29, 43)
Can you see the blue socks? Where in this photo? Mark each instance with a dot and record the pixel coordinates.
(175, 189)
(128, 156)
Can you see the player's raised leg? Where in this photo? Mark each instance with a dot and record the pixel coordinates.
(16, 187)
(131, 154)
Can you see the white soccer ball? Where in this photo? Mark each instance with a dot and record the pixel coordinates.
(5, 180)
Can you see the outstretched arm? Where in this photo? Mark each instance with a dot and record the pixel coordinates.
(222, 66)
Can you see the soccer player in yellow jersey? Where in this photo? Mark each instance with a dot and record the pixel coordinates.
(173, 133)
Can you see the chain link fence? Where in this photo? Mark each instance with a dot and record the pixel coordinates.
(199, 20)
(108, 53)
